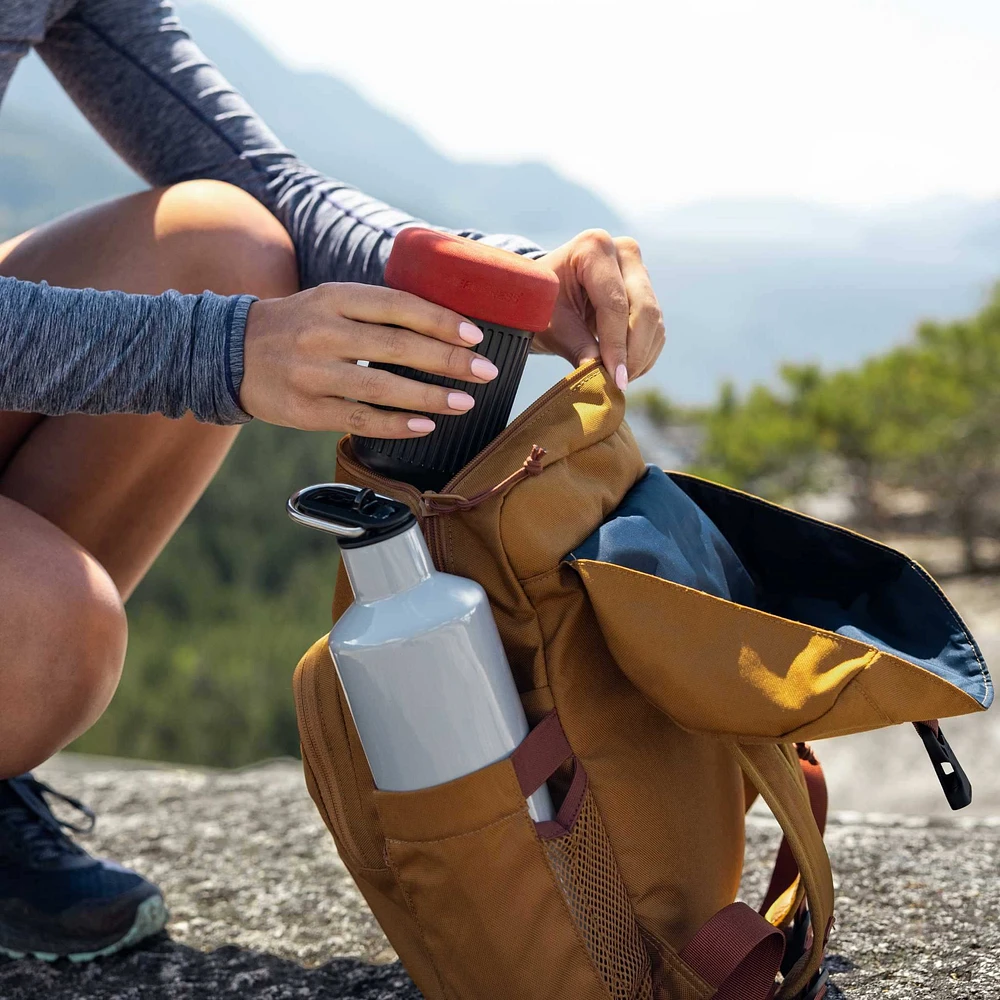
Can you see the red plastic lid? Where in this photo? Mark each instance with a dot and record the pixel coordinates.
(476, 280)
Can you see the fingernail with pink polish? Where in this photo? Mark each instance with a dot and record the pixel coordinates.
(621, 377)
(484, 369)
(420, 425)
(470, 333)
(460, 401)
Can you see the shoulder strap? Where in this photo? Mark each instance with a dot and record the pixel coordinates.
(786, 871)
(779, 781)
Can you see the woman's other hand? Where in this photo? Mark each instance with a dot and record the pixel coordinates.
(606, 308)
(300, 354)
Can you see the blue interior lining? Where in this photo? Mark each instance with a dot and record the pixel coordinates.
(735, 547)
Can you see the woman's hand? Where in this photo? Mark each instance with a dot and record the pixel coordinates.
(300, 354)
(606, 308)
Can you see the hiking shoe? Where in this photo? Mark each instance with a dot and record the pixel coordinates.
(56, 901)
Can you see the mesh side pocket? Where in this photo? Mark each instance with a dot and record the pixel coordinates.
(598, 901)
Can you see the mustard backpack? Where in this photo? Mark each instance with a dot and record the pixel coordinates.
(675, 643)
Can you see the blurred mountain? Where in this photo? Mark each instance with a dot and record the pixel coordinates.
(738, 311)
(330, 126)
(759, 220)
(45, 171)
(744, 284)
(935, 230)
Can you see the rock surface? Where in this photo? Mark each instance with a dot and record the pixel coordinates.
(263, 909)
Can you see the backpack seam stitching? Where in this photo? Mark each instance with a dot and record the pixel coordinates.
(428, 951)
(361, 862)
(670, 957)
(459, 836)
(862, 686)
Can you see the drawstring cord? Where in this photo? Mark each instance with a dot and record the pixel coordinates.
(432, 504)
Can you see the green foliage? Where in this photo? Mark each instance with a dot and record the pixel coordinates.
(757, 440)
(660, 410)
(219, 623)
(923, 416)
(952, 447)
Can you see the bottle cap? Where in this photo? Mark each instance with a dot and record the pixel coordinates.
(357, 516)
(476, 280)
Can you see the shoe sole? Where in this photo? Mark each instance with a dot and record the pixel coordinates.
(150, 918)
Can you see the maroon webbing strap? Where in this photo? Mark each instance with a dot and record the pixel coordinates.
(535, 761)
(540, 753)
(786, 869)
(738, 953)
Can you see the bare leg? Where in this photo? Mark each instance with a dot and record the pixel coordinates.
(90, 501)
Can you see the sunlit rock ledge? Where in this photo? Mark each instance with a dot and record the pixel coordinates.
(263, 909)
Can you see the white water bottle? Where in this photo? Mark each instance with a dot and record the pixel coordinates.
(418, 652)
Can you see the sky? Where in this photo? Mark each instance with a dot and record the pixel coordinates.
(656, 103)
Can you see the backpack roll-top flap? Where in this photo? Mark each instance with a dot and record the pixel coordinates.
(737, 616)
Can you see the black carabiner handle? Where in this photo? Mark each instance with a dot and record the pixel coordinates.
(954, 780)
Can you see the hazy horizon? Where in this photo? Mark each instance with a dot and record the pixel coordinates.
(874, 103)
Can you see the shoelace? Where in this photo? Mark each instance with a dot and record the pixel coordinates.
(33, 823)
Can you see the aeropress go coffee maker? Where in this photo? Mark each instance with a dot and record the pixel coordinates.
(510, 298)
(418, 653)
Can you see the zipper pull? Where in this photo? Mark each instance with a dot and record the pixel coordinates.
(432, 503)
(954, 781)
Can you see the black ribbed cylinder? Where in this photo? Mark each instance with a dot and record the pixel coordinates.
(429, 462)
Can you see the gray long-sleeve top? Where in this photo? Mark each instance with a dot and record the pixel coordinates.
(171, 115)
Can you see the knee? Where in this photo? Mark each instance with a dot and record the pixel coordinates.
(93, 623)
(225, 240)
(67, 634)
